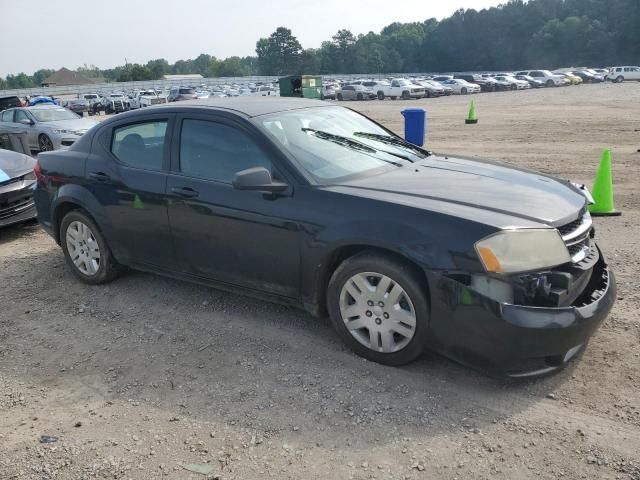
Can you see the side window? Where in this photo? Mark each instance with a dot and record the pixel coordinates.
(395, 84)
(216, 151)
(7, 116)
(140, 145)
(20, 115)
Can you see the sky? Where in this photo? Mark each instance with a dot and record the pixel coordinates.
(106, 32)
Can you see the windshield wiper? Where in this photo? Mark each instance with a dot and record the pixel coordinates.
(395, 141)
(347, 142)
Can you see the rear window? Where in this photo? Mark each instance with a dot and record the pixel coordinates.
(186, 91)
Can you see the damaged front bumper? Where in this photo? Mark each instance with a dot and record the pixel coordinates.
(517, 340)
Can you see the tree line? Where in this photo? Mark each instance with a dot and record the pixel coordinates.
(517, 34)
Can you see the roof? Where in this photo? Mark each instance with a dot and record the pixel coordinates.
(64, 76)
(253, 106)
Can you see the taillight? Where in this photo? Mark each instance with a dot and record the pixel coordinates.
(40, 178)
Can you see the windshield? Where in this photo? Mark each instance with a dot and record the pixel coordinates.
(90, 97)
(185, 91)
(404, 83)
(332, 143)
(53, 114)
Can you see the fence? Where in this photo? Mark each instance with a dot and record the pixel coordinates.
(166, 84)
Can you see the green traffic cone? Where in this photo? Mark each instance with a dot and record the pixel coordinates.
(472, 118)
(602, 190)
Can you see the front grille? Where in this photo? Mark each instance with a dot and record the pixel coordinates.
(15, 205)
(577, 236)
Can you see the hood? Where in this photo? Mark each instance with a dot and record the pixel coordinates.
(14, 164)
(75, 124)
(491, 193)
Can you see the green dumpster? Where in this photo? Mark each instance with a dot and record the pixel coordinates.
(307, 86)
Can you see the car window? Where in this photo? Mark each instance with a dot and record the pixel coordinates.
(20, 115)
(216, 151)
(140, 145)
(7, 116)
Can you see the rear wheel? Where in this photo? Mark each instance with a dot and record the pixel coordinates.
(380, 95)
(378, 307)
(86, 250)
(463, 90)
(340, 97)
(405, 95)
(44, 143)
(550, 83)
(619, 79)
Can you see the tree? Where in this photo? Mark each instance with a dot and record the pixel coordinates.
(279, 54)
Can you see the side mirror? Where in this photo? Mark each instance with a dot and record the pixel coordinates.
(26, 121)
(257, 179)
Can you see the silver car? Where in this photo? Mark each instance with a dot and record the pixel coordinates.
(49, 127)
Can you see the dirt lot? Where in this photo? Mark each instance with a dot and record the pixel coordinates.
(145, 375)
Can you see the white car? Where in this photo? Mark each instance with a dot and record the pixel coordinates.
(146, 98)
(398, 88)
(545, 76)
(519, 84)
(461, 87)
(620, 74)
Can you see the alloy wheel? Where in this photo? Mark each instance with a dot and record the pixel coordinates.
(45, 143)
(377, 312)
(83, 248)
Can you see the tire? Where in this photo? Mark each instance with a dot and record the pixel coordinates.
(322, 97)
(463, 90)
(619, 79)
(105, 268)
(427, 94)
(380, 95)
(405, 95)
(401, 348)
(359, 97)
(340, 97)
(44, 143)
(550, 83)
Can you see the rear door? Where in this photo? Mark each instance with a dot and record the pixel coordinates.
(127, 174)
(238, 237)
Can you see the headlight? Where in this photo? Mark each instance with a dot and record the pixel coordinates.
(30, 176)
(62, 130)
(511, 251)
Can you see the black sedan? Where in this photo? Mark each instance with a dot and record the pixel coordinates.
(17, 180)
(318, 206)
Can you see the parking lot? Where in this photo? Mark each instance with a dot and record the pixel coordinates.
(144, 376)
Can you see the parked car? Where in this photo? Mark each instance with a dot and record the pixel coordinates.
(49, 127)
(77, 105)
(268, 91)
(113, 103)
(571, 78)
(513, 81)
(315, 205)
(501, 85)
(461, 87)
(146, 98)
(177, 94)
(398, 88)
(486, 84)
(17, 179)
(431, 89)
(549, 79)
(620, 74)
(587, 77)
(533, 83)
(9, 102)
(329, 91)
(355, 92)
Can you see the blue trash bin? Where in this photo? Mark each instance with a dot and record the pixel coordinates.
(415, 123)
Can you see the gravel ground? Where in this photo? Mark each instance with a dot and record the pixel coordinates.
(141, 378)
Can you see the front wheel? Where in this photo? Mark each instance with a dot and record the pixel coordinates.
(359, 97)
(378, 306)
(44, 143)
(380, 95)
(463, 90)
(619, 79)
(340, 97)
(86, 250)
(405, 95)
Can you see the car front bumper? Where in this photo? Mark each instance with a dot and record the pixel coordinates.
(515, 340)
(16, 206)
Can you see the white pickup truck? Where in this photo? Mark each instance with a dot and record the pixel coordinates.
(146, 98)
(398, 88)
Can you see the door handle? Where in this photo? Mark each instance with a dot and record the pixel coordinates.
(100, 176)
(184, 192)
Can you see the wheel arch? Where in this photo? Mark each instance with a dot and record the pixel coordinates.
(343, 252)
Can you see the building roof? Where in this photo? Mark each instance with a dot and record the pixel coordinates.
(64, 76)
